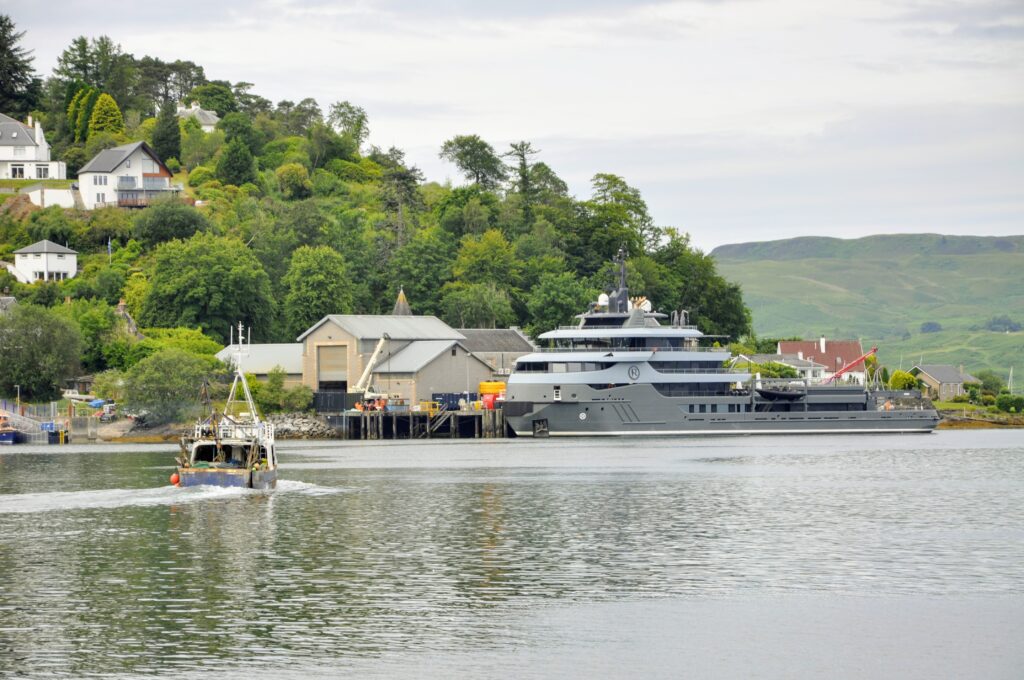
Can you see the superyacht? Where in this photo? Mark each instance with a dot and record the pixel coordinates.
(620, 371)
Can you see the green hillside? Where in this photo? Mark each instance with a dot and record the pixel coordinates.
(883, 288)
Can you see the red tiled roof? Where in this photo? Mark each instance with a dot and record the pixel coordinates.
(837, 353)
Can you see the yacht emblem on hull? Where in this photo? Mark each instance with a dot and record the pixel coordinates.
(634, 372)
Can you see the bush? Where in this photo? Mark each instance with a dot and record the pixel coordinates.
(931, 327)
(988, 399)
(173, 164)
(1008, 403)
(200, 176)
(960, 399)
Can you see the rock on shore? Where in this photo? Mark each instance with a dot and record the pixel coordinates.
(300, 426)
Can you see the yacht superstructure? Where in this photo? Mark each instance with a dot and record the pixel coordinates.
(619, 371)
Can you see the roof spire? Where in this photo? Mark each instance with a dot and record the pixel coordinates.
(402, 307)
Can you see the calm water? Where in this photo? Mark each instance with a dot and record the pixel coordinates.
(870, 556)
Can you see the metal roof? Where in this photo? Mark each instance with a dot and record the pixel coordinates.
(45, 246)
(262, 359)
(15, 133)
(414, 356)
(945, 374)
(202, 115)
(372, 326)
(496, 340)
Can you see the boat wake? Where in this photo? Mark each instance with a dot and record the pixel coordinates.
(164, 495)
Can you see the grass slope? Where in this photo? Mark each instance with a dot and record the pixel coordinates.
(882, 288)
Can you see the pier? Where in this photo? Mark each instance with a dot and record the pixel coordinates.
(444, 424)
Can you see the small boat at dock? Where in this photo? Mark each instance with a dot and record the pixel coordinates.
(8, 435)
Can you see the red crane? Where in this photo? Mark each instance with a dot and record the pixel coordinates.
(848, 366)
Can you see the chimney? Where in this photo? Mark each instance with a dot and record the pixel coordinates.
(821, 343)
(39, 131)
(29, 123)
(800, 355)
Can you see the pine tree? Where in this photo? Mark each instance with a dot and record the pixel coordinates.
(236, 165)
(106, 116)
(85, 107)
(167, 133)
(18, 84)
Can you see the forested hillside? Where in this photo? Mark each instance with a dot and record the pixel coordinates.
(298, 215)
(946, 299)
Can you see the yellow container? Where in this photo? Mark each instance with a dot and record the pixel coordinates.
(492, 387)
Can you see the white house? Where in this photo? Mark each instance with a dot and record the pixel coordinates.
(44, 261)
(207, 119)
(25, 153)
(128, 176)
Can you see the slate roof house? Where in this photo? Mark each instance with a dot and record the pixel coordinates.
(832, 354)
(43, 261)
(128, 176)
(25, 153)
(498, 347)
(943, 382)
(421, 356)
(207, 119)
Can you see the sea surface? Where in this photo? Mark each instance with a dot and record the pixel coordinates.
(870, 556)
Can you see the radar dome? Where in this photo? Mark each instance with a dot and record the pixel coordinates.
(602, 299)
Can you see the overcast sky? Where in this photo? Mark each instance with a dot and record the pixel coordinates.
(739, 120)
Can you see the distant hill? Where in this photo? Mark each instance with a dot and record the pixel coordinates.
(883, 288)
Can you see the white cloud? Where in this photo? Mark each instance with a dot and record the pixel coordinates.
(752, 105)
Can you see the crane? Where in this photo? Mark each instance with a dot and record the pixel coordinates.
(849, 366)
(363, 386)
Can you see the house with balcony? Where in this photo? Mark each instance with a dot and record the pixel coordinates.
(128, 176)
(25, 153)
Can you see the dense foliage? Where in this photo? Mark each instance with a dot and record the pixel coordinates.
(289, 214)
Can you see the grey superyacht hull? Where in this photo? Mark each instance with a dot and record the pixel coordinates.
(640, 410)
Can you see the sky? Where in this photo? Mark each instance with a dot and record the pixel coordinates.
(739, 120)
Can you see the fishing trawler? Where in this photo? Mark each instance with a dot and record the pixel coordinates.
(619, 371)
(232, 447)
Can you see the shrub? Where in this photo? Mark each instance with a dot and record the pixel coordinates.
(173, 165)
(200, 176)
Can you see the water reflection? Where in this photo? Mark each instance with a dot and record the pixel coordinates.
(364, 550)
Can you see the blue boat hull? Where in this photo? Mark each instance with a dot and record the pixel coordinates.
(8, 437)
(228, 477)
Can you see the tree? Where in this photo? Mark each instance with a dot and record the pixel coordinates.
(349, 119)
(40, 351)
(96, 322)
(19, 88)
(167, 133)
(520, 153)
(215, 96)
(84, 114)
(991, 382)
(476, 305)
(210, 282)
(476, 159)
(294, 180)
(901, 380)
(422, 266)
(318, 284)
(554, 301)
(237, 125)
(106, 117)
(487, 258)
(165, 386)
(236, 165)
(166, 221)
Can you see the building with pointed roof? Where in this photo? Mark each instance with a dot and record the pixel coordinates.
(25, 153)
(402, 307)
(207, 119)
(832, 354)
(419, 356)
(43, 261)
(943, 382)
(128, 176)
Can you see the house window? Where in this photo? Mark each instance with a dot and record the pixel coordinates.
(39, 276)
(99, 180)
(99, 198)
(60, 256)
(128, 163)
(19, 150)
(454, 352)
(17, 172)
(36, 255)
(42, 172)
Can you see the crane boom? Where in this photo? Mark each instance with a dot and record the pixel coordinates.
(849, 366)
(364, 379)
